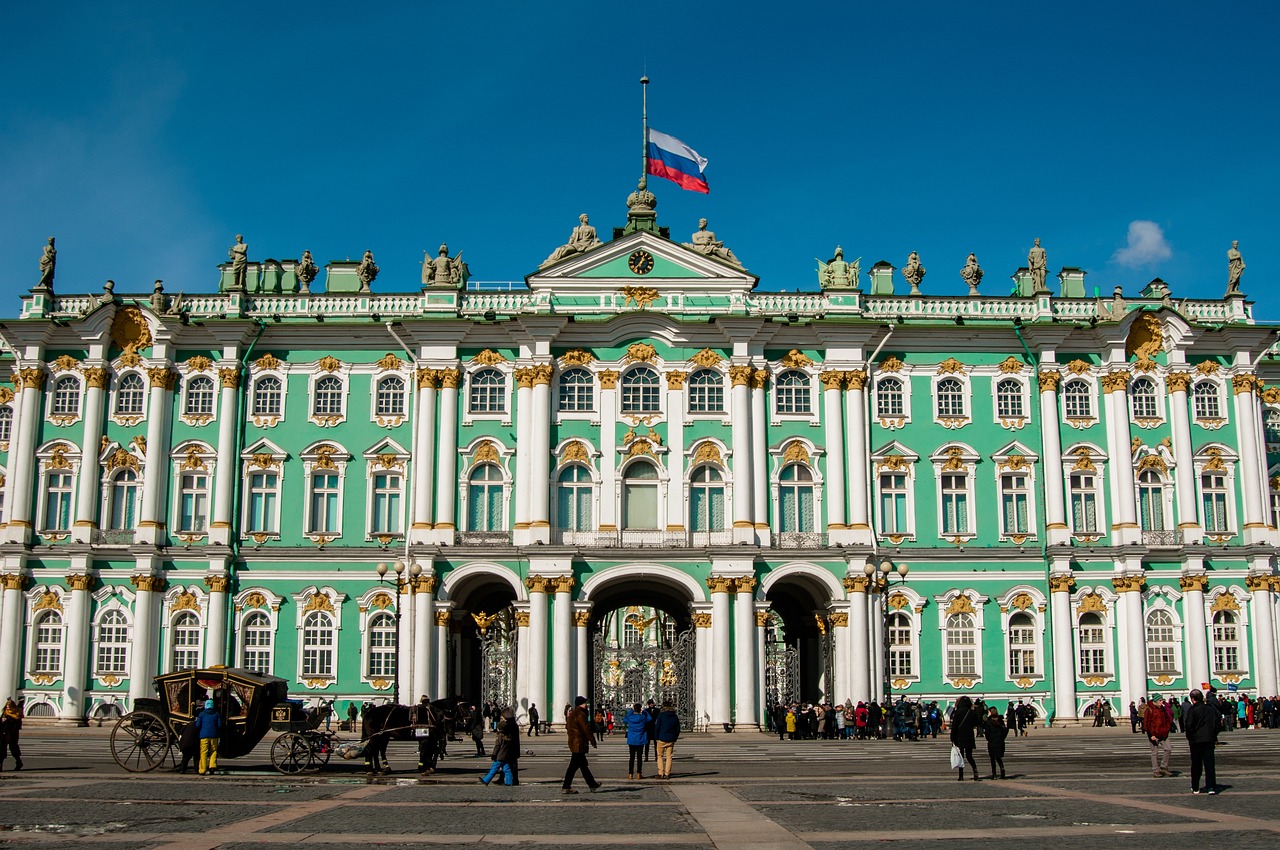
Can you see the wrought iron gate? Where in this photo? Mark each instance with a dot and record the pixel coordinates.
(781, 665)
(662, 672)
(499, 652)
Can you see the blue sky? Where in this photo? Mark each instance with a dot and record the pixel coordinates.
(1135, 139)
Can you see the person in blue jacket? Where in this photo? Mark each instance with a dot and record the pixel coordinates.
(637, 721)
(666, 728)
(209, 727)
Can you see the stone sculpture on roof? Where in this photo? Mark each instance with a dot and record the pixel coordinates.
(914, 272)
(366, 271)
(1235, 267)
(1038, 265)
(972, 273)
(705, 242)
(835, 273)
(306, 270)
(445, 270)
(583, 238)
(48, 264)
(239, 254)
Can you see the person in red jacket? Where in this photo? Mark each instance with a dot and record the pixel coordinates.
(1157, 725)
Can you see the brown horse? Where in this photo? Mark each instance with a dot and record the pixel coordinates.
(385, 723)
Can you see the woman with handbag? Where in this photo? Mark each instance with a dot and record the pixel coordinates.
(964, 721)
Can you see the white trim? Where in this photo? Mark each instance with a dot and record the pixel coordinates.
(968, 461)
(311, 456)
(1036, 612)
(1014, 423)
(1108, 617)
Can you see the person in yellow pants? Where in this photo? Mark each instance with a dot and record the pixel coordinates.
(209, 727)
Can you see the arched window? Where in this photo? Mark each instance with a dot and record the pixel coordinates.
(901, 646)
(58, 492)
(1093, 645)
(1009, 399)
(1226, 643)
(328, 397)
(961, 636)
(795, 499)
(6, 423)
(268, 396)
(1077, 400)
(706, 392)
(484, 499)
(1270, 425)
(573, 499)
(48, 648)
(1162, 650)
(640, 391)
(1205, 401)
(112, 656)
(199, 397)
(382, 646)
(1084, 503)
(577, 391)
(131, 395)
(1022, 646)
(1142, 399)
(1151, 500)
(257, 639)
(184, 637)
(390, 396)
(640, 496)
(66, 396)
(124, 501)
(488, 392)
(319, 642)
(1213, 499)
(793, 392)
(950, 397)
(890, 400)
(1014, 499)
(706, 500)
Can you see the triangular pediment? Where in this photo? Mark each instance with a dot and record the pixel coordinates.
(645, 260)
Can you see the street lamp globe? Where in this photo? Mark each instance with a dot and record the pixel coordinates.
(903, 569)
(415, 570)
(382, 570)
(399, 568)
(869, 568)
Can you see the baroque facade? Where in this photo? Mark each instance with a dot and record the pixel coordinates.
(638, 475)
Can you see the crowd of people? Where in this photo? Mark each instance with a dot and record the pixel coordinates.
(903, 720)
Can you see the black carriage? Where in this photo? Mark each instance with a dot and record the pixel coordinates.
(302, 744)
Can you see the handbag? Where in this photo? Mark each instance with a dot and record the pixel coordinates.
(957, 760)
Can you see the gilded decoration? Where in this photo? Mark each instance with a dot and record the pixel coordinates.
(576, 357)
(762, 619)
(524, 378)
(6, 395)
(217, 584)
(898, 601)
(1226, 602)
(951, 366)
(1215, 463)
(1244, 383)
(855, 379)
(891, 364)
(1193, 582)
(80, 581)
(1084, 461)
(1257, 583)
(193, 459)
(720, 584)
(676, 379)
(199, 363)
(893, 463)
(1022, 602)
(795, 452)
(745, 584)
(424, 584)
(1078, 367)
(449, 378)
(702, 621)
(832, 380)
(1208, 367)
(1011, 366)
(1024, 682)
(1091, 602)
(855, 584)
(706, 358)
(608, 379)
(955, 460)
(131, 359)
(95, 377)
(581, 619)
(1128, 584)
(428, 379)
(640, 352)
(537, 584)
(483, 621)
(1015, 463)
(58, 457)
(389, 362)
(486, 452)
(759, 379)
(13, 581)
(30, 379)
(1094, 681)
(317, 683)
(264, 461)
(960, 605)
(796, 359)
(442, 618)
(140, 443)
(1177, 382)
(318, 602)
(162, 377)
(575, 451)
(642, 296)
(1049, 381)
(707, 452)
(122, 458)
(961, 682)
(1153, 461)
(1146, 338)
(1115, 382)
(563, 584)
(329, 364)
(151, 584)
(269, 362)
(48, 601)
(522, 619)
(1061, 583)
(387, 461)
(230, 378)
(130, 331)
(821, 623)
(488, 357)
(640, 447)
(542, 373)
(185, 601)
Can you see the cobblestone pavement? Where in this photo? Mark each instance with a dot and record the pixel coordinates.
(1067, 789)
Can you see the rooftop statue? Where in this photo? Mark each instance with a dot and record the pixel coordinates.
(914, 273)
(835, 273)
(1038, 265)
(366, 271)
(48, 263)
(239, 254)
(445, 270)
(582, 239)
(306, 271)
(1235, 267)
(972, 273)
(705, 242)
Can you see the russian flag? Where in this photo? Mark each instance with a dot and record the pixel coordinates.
(673, 159)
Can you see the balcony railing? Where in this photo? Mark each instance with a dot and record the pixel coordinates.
(800, 540)
(113, 537)
(1160, 538)
(484, 538)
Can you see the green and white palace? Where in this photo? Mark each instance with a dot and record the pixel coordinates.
(638, 474)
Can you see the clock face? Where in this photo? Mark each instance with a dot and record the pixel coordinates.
(641, 262)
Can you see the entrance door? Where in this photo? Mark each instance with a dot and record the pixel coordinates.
(499, 652)
(637, 668)
(781, 665)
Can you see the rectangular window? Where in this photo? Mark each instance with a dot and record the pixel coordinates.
(386, 503)
(1013, 504)
(57, 515)
(893, 503)
(324, 503)
(194, 502)
(1161, 659)
(186, 649)
(257, 650)
(1022, 653)
(1084, 504)
(264, 494)
(1213, 493)
(955, 504)
(1093, 656)
(382, 653)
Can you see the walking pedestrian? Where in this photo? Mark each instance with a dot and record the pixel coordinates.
(209, 727)
(533, 719)
(1200, 723)
(581, 740)
(352, 714)
(964, 721)
(506, 748)
(10, 729)
(995, 732)
(1156, 724)
(476, 727)
(666, 729)
(636, 720)
(651, 712)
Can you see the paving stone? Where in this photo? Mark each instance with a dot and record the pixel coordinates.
(99, 817)
(182, 788)
(578, 817)
(1115, 841)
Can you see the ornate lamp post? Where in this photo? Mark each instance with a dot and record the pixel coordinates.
(399, 567)
(882, 582)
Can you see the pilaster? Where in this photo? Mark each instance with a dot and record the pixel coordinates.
(228, 471)
(858, 458)
(89, 486)
(743, 487)
(447, 466)
(1064, 663)
(833, 434)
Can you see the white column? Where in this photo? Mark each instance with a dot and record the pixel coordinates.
(424, 464)
(702, 656)
(743, 488)
(1184, 473)
(1194, 582)
(858, 457)
(11, 628)
(1061, 643)
(562, 670)
(746, 710)
(424, 638)
(1263, 630)
(721, 658)
(536, 692)
(675, 454)
(524, 445)
(759, 455)
(151, 525)
(76, 654)
(22, 460)
(859, 637)
(224, 479)
(86, 520)
(1133, 672)
(1055, 510)
(215, 644)
(762, 706)
(447, 467)
(833, 434)
(1253, 471)
(581, 633)
(608, 452)
(876, 635)
(145, 640)
(1124, 528)
(441, 689)
(840, 689)
(539, 436)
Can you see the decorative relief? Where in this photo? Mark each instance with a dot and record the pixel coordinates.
(640, 447)
(955, 460)
(1014, 463)
(199, 363)
(1091, 602)
(48, 600)
(707, 359)
(1022, 602)
(796, 359)
(329, 364)
(389, 362)
(893, 463)
(264, 461)
(318, 602)
(442, 618)
(581, 619)
(130, 331)
(640, 352)
(1215, 463)
(488, 357)
(762, 619)
(522, 619)
(58, 457)
(577, 357)
(575, 451)
(1153, 461)
(960, 605)
(702, 621)
(6, 395)
(486, 452)
(1193, 582)
(185, 601)
(1084, 461)
(707, 452)
(642, 296)
(891, 364)
(122, 458)
(387, 461)
(1011, 366)
(1207, 367)
(951, 366)
(193, 459)
(898, 601)
(608, 379)
(1078, 367)
(963, 682)
(795, 452)
(1227, 602)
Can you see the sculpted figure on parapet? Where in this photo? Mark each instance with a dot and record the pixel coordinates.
(367, 271)
(913, 272)
(48, 265)
(239, 254)
(1235, 267)
(582, 239)
(1037, 264)
(972, 273)
(444, 270)
(705, 242)
(836, 273)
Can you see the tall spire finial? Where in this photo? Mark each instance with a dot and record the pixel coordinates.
(644, 142)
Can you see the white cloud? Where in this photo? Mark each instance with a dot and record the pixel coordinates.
(1146, 245)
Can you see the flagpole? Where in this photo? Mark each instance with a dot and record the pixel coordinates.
(644, 145)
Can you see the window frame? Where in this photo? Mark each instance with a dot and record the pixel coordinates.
(636, 398)
(1087, 396)
(490, 385)
(1019, 393)
(390, 407)
(708, 382)
(112, 652)
(129, 417)
(1167, 642)
(1200, 400)
(195, 650)
(65, 406)
(1145, 407)
(580, 394)
(189, 397)
(48, 657)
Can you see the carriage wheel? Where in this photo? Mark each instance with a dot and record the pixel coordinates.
(140, 741)
(321, 749)
(291, 753)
